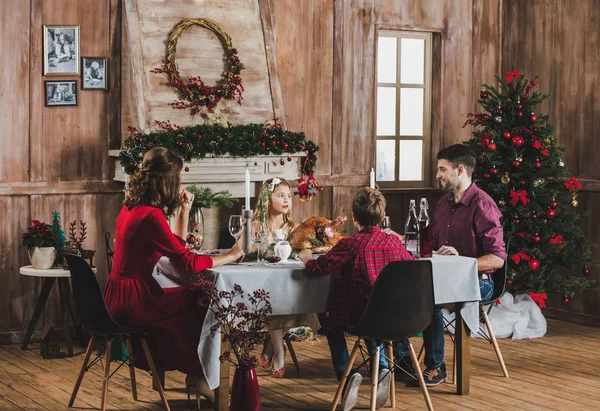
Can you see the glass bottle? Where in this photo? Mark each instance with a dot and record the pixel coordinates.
(411, 230)
(425, 246)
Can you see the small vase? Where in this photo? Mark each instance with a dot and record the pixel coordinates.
(42, 258)
(196, 229)
(244, 390)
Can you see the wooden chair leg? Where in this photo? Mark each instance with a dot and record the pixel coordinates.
(106, 374)
(127, 340)
(494, 343)
(375, 376)
(421, 353)
(454, 365)
(288, 342)
(161, 377)
(86, 360)
(390, 353)
(338, 393)
(155, 376)
(413, 356)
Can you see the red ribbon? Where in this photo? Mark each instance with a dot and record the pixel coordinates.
(558, 240)
(522, 255)
(539, 299)
(573, 184)
(537, 144)
(545, 152)
(515, 197)
(510, 75)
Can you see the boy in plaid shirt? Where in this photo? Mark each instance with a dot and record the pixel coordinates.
(354, 264)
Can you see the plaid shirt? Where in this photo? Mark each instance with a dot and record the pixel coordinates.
(354, 264)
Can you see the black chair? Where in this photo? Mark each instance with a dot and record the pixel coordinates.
(96, 320)
(109, 251)
(400, 306)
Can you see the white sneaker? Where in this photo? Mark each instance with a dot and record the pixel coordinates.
(383, 388)
(350, 395)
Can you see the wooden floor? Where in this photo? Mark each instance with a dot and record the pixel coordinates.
(558, 372)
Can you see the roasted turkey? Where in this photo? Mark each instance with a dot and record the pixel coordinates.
(317, 234)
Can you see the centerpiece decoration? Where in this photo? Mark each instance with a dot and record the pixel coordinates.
(241, 325)
(41, 245)
(194, 94)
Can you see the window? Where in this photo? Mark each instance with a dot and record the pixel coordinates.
(403, 109)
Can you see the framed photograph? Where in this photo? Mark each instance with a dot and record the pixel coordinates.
(61, 50)
(61, 93)
(94, 73)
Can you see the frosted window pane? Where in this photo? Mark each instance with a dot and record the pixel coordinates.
(386, 111)
(386, 159)
(412, 61)
(411, 112)
(411, 160)
(386, 59)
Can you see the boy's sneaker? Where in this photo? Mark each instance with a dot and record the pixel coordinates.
(350, 393)
(383, 388)
(435, 376)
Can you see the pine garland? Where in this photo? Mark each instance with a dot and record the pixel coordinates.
(205, 197)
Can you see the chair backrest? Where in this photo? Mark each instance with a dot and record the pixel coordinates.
(109, 251)
(401, 303)
(499, 277)
(89, 300)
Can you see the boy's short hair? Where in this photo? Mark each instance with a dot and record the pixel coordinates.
(368, 207)
(459, 154)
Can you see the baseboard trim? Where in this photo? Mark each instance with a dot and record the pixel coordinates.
(16, 337)
(569, 316)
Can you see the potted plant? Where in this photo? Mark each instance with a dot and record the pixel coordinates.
(241, 324)
(41, 245)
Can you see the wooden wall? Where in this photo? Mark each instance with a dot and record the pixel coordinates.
(559, 42)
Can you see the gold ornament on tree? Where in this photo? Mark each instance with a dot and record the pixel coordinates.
(505, 179)
(574, 202)
(502, 203)
(538, 182)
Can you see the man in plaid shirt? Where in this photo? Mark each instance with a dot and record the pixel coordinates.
(354, 264)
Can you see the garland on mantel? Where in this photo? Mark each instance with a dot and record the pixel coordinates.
(212, 140)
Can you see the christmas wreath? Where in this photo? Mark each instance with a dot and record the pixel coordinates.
(195, 94)
(211, 140)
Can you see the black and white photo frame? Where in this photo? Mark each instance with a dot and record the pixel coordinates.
(94, 73)
(61, 50)
(61, 93)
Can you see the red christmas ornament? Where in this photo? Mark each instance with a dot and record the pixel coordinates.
(483, 94)
(519, 106)
(533, 265)
(494, 171)
(282, 162)
(498, 110)
(486, 175)
(179, 142)
(533, 118)
(553, 204)
(586, 271)
(509, 282)
(551, 213)
(138, 139)
(285, 146)
(536, 239)
(506, 135)
(516, 163)
(565, 300)
(199, 137)
(538, 165)
(492, 146)
(289, 159)
(133, 164)
(255, 164)
(187, 169)
(523, 183)
(516, 221)
(534, 215)
(517, 141)
(262, 143)
(519, 114)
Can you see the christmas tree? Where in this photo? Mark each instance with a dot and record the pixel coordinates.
(60, 237)
(519, 165)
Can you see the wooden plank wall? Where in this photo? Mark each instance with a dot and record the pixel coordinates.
(559, 43)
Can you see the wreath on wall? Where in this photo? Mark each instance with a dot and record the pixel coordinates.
(194, 94)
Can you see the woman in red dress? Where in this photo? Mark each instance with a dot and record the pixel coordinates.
(142, 237)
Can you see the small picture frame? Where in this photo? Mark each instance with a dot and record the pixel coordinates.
(94, 74)
(61, 50)
(61, 93)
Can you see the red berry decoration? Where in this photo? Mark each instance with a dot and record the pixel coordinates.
(486, 175)
(516, 163)
(517, 141)
(533, 118)
(509, 282)
(494, 171)
(519, 114)
(199, 137)
(565, 300)
(536, 239)
(533, 265)
(551, 213)
(483, 94)
(282, 162)
(553, 204)
(492, 146)
(586, 271)
(538, 165)
(506, 135)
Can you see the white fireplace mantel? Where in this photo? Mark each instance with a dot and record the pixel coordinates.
(227, 172)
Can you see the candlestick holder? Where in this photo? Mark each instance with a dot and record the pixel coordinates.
(247, 214)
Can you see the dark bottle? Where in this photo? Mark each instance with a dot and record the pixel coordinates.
(425, 246)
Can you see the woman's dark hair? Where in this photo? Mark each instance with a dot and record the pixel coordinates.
(368, 207)
(459, 154)
(157, 183)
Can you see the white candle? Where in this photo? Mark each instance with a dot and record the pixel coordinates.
(372, 178)
(247, 188)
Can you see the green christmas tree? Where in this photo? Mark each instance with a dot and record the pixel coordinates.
(519, 165)
(60, 237)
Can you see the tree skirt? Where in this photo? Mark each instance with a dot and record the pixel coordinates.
(515, 317)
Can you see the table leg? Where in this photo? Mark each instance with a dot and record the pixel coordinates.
(65, 304)
(66, 286)
(222, 392)
(463, 355)
(39, 307)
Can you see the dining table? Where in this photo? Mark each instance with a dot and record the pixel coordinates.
(292, 292)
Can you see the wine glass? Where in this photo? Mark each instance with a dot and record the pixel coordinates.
(236, 226)
(259, 237)
(386, 224)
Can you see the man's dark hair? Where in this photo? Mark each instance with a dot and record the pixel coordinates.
(459, 154)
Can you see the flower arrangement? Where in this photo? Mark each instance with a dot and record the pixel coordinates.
(239, 323)
(38, 235)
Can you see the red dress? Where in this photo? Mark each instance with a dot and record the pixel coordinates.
(134, 298)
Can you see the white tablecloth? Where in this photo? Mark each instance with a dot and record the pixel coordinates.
(291, 292)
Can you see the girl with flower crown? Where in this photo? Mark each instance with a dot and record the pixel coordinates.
(274, 210)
